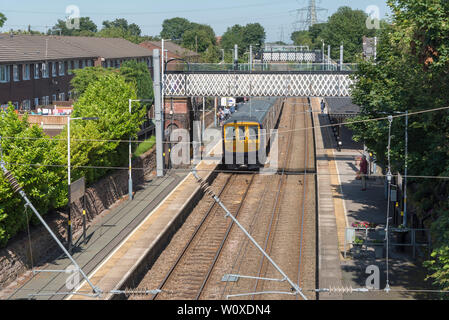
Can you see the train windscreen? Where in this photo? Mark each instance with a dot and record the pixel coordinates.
(230, 133)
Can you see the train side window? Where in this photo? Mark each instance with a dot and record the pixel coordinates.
(253, 132)
(241, 133)
(230, 133)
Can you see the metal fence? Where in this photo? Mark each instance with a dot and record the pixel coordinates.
(363, 238)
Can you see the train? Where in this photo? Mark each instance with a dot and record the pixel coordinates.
(246, 133)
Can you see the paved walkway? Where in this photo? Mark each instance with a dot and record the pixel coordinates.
(101, 239)
(354, 205)
(328, 254)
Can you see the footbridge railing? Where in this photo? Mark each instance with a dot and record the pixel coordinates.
(258, 83)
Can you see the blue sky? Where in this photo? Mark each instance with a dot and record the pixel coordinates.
(277, 16)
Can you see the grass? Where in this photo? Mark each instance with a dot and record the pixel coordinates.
(145, 146)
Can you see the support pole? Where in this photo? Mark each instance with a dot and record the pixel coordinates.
(328, 57)
(375, 49)
(405, 169)
(158, 113)
(204, 118)
(215, 111)
(69, 217)
(236, 57)
(130, 179)
(341, 57)
(250, 58)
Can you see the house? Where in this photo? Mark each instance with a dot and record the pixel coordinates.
(172, 51)
(36, 70)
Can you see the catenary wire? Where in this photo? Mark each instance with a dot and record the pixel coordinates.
(279, 131)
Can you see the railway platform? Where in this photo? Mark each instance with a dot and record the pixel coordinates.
(101, 240)
(121, 269)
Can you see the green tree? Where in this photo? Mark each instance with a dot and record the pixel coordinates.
(411, 74)
(174, 28)
(346, 27)
(2, 19)
(106, 98)
(254, 34)
(244, 36)
(87, 28)
(139, 75)
(131, 29)
(199, 38)
(84, 77)
(44, 183)
(302, 38)
(120, 28)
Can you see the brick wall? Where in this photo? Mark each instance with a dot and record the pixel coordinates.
(15, 258)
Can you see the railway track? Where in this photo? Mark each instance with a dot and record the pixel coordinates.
(277, 210)
(190, 273)
(286, 217)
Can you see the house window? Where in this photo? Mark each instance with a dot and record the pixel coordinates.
(15, 71)
(53, 69)
(62, 96)
(45, 100)
(4, 73)
(26, 105)
(69, 95)
(108, 63)
(45, 71)
(53, 98)
(76, 64)
(61, 68)
(83, 64)
(89, 63)
(36, 71)
(36, 102)
(26, 72)
(69, 67)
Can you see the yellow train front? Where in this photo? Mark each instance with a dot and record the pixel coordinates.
(246, 133)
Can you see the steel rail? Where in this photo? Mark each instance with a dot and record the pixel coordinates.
(247, 241)
(276, 208)
(206, 278)
(181, 255)
(306, 163)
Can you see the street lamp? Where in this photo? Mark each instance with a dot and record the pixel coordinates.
(322, 53)
(69, 225)
(404, 220)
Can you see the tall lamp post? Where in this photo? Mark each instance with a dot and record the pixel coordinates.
(322, 54)
(404, 219)
(130, 179)
(69, 222)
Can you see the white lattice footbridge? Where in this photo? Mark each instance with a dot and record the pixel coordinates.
(319, 84)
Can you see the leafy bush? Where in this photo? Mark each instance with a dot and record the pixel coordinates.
(145, 146)
(107, 99)
(44, 185)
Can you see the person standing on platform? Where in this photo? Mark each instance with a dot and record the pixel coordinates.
(363, 171)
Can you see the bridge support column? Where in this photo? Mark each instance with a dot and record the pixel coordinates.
(158, 114)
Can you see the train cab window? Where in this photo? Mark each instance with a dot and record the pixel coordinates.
(253, 132)
(230, 133)
(241, 133)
